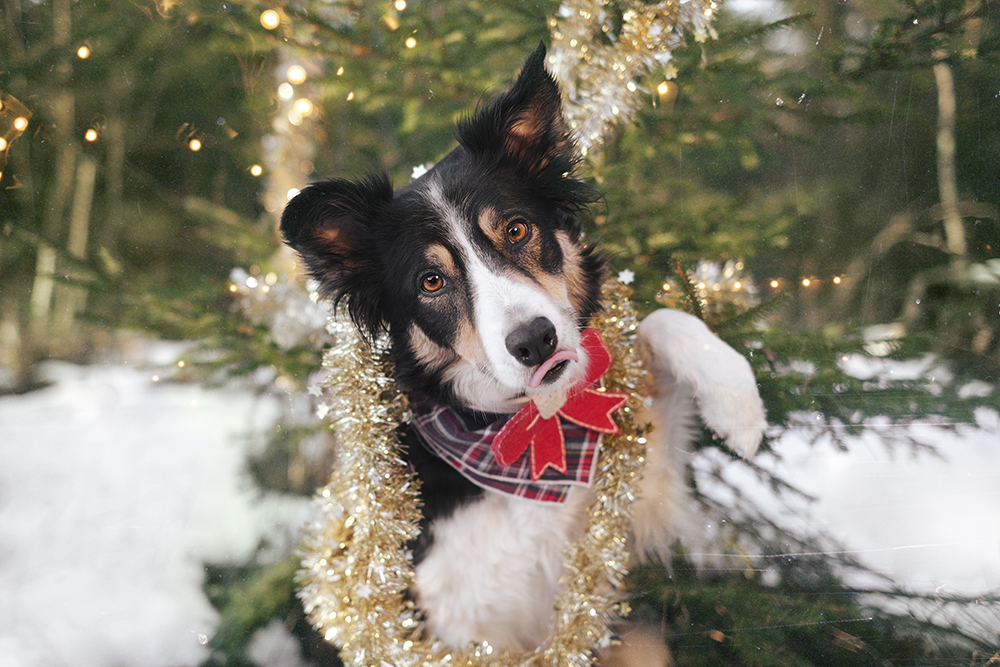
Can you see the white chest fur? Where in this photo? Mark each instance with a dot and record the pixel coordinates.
(492, 572)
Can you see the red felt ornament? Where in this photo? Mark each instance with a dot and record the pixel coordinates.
(587, 406)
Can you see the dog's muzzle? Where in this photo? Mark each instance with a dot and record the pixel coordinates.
(534, 342)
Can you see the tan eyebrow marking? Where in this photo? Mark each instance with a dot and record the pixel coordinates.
(439, 255)
(489, 223)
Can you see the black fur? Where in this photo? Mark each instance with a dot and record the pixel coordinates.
(442, 488)
(544, 155)
(344, 269)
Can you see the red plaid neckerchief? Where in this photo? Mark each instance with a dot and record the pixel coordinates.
(523, 454)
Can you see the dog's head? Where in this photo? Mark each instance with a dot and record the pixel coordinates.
(476, 269)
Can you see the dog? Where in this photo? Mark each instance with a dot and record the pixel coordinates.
(478, 274)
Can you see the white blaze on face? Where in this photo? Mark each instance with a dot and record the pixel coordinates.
(502, 301)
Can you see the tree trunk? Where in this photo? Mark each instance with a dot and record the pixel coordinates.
(63, 113)
(954, 230)
(71, 299)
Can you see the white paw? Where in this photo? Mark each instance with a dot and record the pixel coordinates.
(680, 349)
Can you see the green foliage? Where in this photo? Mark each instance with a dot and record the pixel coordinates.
(733, 619)
(249, 598)
(918, 34)
(247, 603)
(166, 223)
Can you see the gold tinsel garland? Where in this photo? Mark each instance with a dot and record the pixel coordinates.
(356, 568)
(601, 50)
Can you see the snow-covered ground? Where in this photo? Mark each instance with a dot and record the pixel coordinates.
(917, 505)
(115, 488)
(931, 523)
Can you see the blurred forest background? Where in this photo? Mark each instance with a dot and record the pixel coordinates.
(819, 179)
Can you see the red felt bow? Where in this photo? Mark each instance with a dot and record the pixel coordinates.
(586, 406)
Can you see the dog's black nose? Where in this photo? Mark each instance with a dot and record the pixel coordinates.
(534, 342)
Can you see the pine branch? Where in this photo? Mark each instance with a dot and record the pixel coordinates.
(251, 604)
(753, 315)
(743, 34)
(694, 303)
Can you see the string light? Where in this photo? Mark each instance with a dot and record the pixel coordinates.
(270, 19)
(292, 194)
(83, 52)
(350, 96)
(400, 5)
(775, 283)
(90, 135)
(11, 107)
(304, 107)
(411, 42)
(296, 75)
(194, 144)
(667, 91)
(340, 71)
(285, 91)
(256, 170)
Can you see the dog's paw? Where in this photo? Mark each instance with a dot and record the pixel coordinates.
(679, 349)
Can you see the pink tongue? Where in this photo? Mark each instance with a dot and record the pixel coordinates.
(562, 355)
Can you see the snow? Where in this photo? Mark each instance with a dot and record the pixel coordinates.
(115, 489)
(931, 522)
(924, 521)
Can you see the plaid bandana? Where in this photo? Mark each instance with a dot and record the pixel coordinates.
(467, 449)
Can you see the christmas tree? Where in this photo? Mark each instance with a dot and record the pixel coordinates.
(793, 180)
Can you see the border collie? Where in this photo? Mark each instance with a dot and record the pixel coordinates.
(478, 274)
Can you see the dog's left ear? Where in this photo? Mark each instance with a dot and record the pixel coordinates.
(525, 123)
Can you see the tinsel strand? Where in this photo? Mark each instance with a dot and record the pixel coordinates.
(355, 567)
(601, 51)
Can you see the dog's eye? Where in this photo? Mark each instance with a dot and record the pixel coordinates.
(432, 282)
(517, 231)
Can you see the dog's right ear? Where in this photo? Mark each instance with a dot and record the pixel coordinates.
(333, 227)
